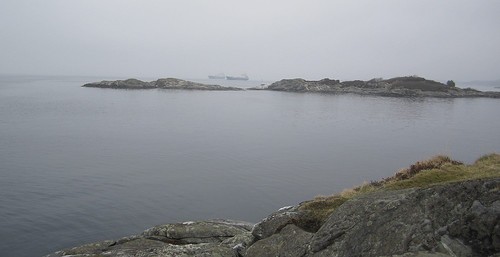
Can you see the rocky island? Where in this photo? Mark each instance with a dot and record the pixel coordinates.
(165, 83)
(411, 86)
(434, 208)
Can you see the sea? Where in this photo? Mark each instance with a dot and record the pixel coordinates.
(78, 165)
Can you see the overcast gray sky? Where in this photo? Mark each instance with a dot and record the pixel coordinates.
(266, 39)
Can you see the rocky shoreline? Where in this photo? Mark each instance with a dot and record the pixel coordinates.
(457, 214)
(395, 87)
(164, 83)
(411, 86)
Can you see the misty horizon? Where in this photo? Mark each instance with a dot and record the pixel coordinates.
(267, 40)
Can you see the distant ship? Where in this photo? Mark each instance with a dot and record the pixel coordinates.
(217, 76)
(242, 77)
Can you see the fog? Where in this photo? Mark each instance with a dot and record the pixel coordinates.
(265, 39)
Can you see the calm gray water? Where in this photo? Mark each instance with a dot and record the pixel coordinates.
(81, 164)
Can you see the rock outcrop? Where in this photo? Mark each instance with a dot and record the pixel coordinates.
(396, 87)
(200, 238)
(165, 83)
(172, 83)
(460, 219)
(437, 207)
(122, 84)
(457, 219)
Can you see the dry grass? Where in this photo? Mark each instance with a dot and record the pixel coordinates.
(487, 166)
(435, 162)
(437, 170)
(318, 210)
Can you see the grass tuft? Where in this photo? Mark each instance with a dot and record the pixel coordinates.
(435, 162)
(318, 210)
(437, 170)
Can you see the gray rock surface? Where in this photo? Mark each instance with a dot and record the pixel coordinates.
(172, 83)
(122, 84)
(200, 238)
(273, 223)
(395, 87)
(457, 219)
(290, 241)
(166, 83)
(195, 232)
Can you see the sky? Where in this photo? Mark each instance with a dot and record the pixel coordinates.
(268, 40)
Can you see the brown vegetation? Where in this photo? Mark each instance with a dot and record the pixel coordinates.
(437, 170)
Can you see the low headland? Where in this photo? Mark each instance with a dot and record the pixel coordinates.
(164, 83)
(410, 86)
(437, 207)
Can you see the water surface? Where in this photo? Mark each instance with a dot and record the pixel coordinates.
(84, 164)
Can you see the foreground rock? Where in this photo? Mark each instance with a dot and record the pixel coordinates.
(167, 83)
(201, 238)
(457, 219)
(460, 219)
(396, 87)
(436, 207)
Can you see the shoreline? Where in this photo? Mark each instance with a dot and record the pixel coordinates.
(430, 203)
(407, 87)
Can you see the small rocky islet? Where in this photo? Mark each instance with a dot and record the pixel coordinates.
(164, 83)
(434, 208)
(410, 86)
